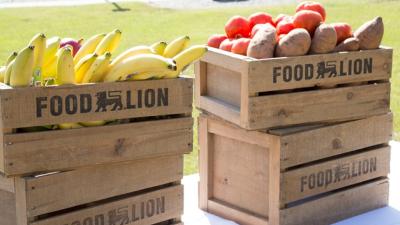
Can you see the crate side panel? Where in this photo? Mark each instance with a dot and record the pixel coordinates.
(64, 190)
(324, 69)
(66, 149)
(35, 106)
(149, 208)
(323, 142)
(240, 174)
(223, 84)
(7, 208)
(338, 206)
(319, 106)
(334, 174)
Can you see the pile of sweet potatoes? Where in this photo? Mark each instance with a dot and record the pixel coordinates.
(260, 36)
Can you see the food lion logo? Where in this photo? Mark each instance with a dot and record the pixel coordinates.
(321, 70)
(100, 102)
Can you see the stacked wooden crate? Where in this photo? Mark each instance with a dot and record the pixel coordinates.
(301, 140)
(127, 172)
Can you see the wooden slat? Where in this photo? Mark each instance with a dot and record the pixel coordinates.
(241, 174)
(64, 190)
(223, 84)
(274, 184)
(261, 76)
(319, 106)
(200, 69)
(205, 166)
(338, 206)
(322, 142)
(66, 149)
(225, 129)
(222, 109)
(236, 215)
(7, 184)
(26, 107)
(157, 206)
(227, 60)
(7, 208)
(334, 174)
(21, 201)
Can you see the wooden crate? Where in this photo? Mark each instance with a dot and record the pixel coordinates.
(277, 92)
(141, 192)
(295, 175)
(161, 124)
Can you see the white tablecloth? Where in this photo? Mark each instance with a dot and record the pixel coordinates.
(385, 216)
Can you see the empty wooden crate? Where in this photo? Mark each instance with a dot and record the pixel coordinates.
(154, 119)
(141, 192)
(277, 92)
(296, 175)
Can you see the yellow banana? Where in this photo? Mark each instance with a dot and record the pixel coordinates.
(7, 74)
(88, 47)
(22, 70)
(11, 58)
(98, 69)
(93, 123)
(83, 66)
(39, 42)
(52, 45)
(66, 126)
(185, 58)
(65, 67)
(131, 52)
(139, 64)
(176, 46)
(50, 70)
(144, 75)
(2, 73)
(159, 47)
(109, 43)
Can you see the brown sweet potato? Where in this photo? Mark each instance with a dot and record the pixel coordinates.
(262, 45)
(324, 40)
(348, 45)
(370, 34)
(296, 43)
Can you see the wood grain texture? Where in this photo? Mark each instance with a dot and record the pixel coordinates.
(232, 213)
(338, 206)
(319, 106)
(19, 105)
(54, 192)
(159, 205)
(317, 143)
(7, 208)
(7, 184)
(334, 174)
(35, 152)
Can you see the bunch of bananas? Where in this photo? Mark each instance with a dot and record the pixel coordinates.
(44, 62)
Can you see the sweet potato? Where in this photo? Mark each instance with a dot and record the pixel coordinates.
(296, 43)
(348, 45)
(262, 45)
(370, 34)
(324, 40)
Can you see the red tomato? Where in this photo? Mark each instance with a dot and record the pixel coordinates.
(240, 46)
(281, 17)
(313, 6)
(260, 18)
(215, 40)
(343, 31)
(284, 26)
(237, 27)
(308, 20)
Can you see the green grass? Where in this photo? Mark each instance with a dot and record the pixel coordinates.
(145, 25)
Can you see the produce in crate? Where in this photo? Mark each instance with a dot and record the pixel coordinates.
(296, 43)
(309, 15)
(370, 34)
(262, 45)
